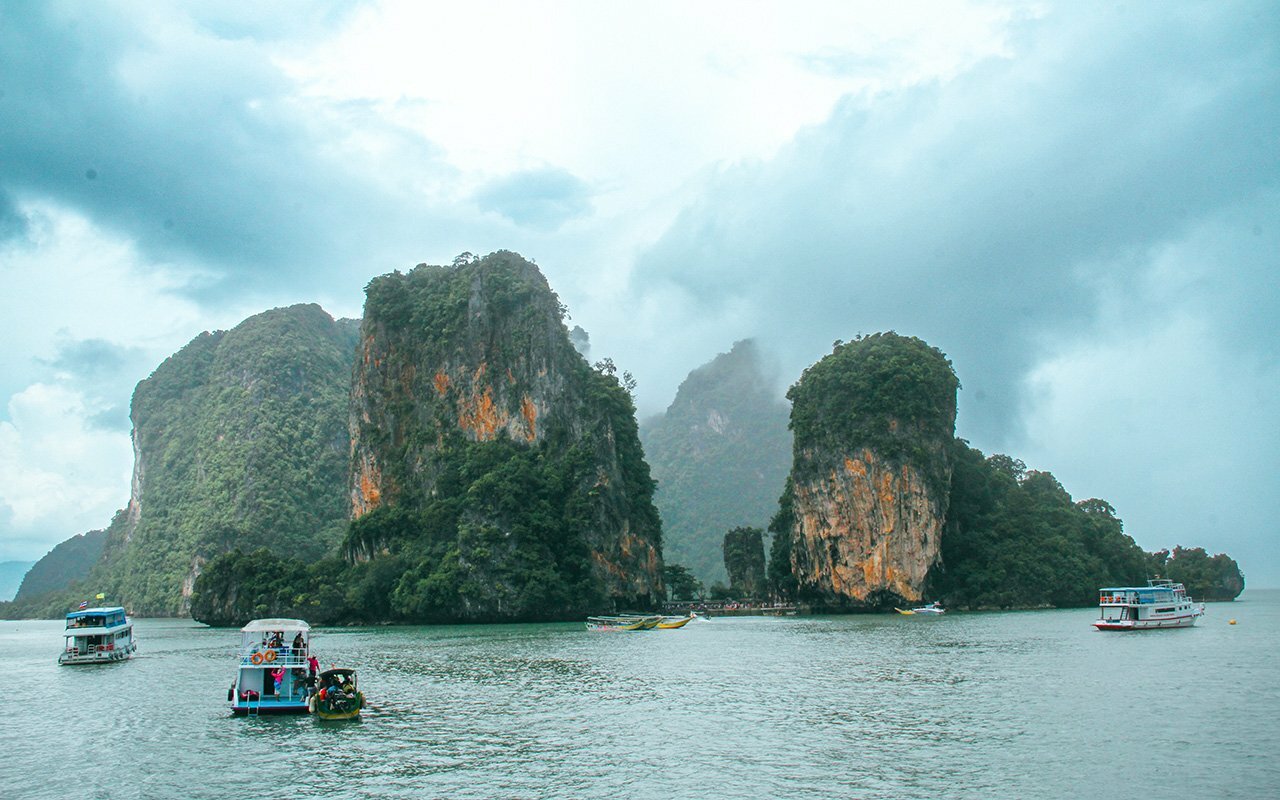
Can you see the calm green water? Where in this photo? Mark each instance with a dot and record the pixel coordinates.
(993, 705)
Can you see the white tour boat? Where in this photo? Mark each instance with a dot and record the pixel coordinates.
(274, 670)
(1159, 604)
(97, 635)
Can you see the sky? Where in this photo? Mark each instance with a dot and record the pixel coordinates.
(1077, 203)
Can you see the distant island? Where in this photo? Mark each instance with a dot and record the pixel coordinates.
(452, 457)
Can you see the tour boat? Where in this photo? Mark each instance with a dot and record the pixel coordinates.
(273, 673)
(97, 635)
(1159, 604)
(339, 696)
(624, 623)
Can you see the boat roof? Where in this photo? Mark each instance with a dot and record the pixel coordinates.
(258, 625)
(95, 612)
(337, 671)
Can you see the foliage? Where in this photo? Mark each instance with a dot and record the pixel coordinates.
(782, 581)
(1206, 577)
(474, 525)
(67, 563)
(892, 394)
(242, 443)
(1017, 543)
(744, 561)
(680, 582)
(720, 452)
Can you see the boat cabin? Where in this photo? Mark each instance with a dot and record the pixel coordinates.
(97, 634)
(273, 672)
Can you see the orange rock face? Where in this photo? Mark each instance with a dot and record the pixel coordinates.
(865, 529)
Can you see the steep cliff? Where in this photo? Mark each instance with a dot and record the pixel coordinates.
(720, 454)
(863, 510)
(240, 441)
(494, 473)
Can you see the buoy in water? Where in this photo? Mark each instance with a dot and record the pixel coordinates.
(1231, 622)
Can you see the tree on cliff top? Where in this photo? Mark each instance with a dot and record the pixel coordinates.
(892, 394)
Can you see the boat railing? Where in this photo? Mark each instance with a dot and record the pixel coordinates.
(91, 648)
(258, 656)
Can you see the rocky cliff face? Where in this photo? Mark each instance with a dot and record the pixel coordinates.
(240, 441)
(870, 484)
(867, 531)
(720, 453)
(487, 455)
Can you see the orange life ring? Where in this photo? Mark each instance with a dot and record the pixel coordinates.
(257, 658)
(270, 656)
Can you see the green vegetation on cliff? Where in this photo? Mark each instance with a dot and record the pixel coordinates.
(720, 454)
(494, 474)
(894, 395)
(67, 563)
(1016, 539)
(1206, 577)
(240, 442)
(744, 561)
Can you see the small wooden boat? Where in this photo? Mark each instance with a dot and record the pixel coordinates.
(671, 623)
(339, 696)
(624, 623)
(904, 611)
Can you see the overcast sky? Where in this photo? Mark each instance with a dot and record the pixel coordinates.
(1078, 205)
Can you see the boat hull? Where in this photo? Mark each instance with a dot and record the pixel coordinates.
(671, 625)
(256, 709)
(96, 658)
(1146, 624)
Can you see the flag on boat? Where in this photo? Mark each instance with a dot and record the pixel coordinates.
(84, 604)
(99, 596)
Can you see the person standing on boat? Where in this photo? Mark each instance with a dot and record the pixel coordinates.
(313, 665)
(298, 644)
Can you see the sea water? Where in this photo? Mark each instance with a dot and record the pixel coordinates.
(1032, 704)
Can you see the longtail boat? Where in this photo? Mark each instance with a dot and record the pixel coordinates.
(623, 623)
(671, 623)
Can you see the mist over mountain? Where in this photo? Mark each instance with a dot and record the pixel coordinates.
(68, 562)
(720, 454)
(11, 574)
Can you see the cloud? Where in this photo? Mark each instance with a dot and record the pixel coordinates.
(52, 468)
(1086, 226)
(972, 212)
(198, 147)
(543, 198)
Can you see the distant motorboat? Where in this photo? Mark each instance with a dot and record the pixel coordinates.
(933, 608)
(1160, 604)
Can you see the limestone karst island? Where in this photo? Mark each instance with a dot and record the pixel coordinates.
(455, 457)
